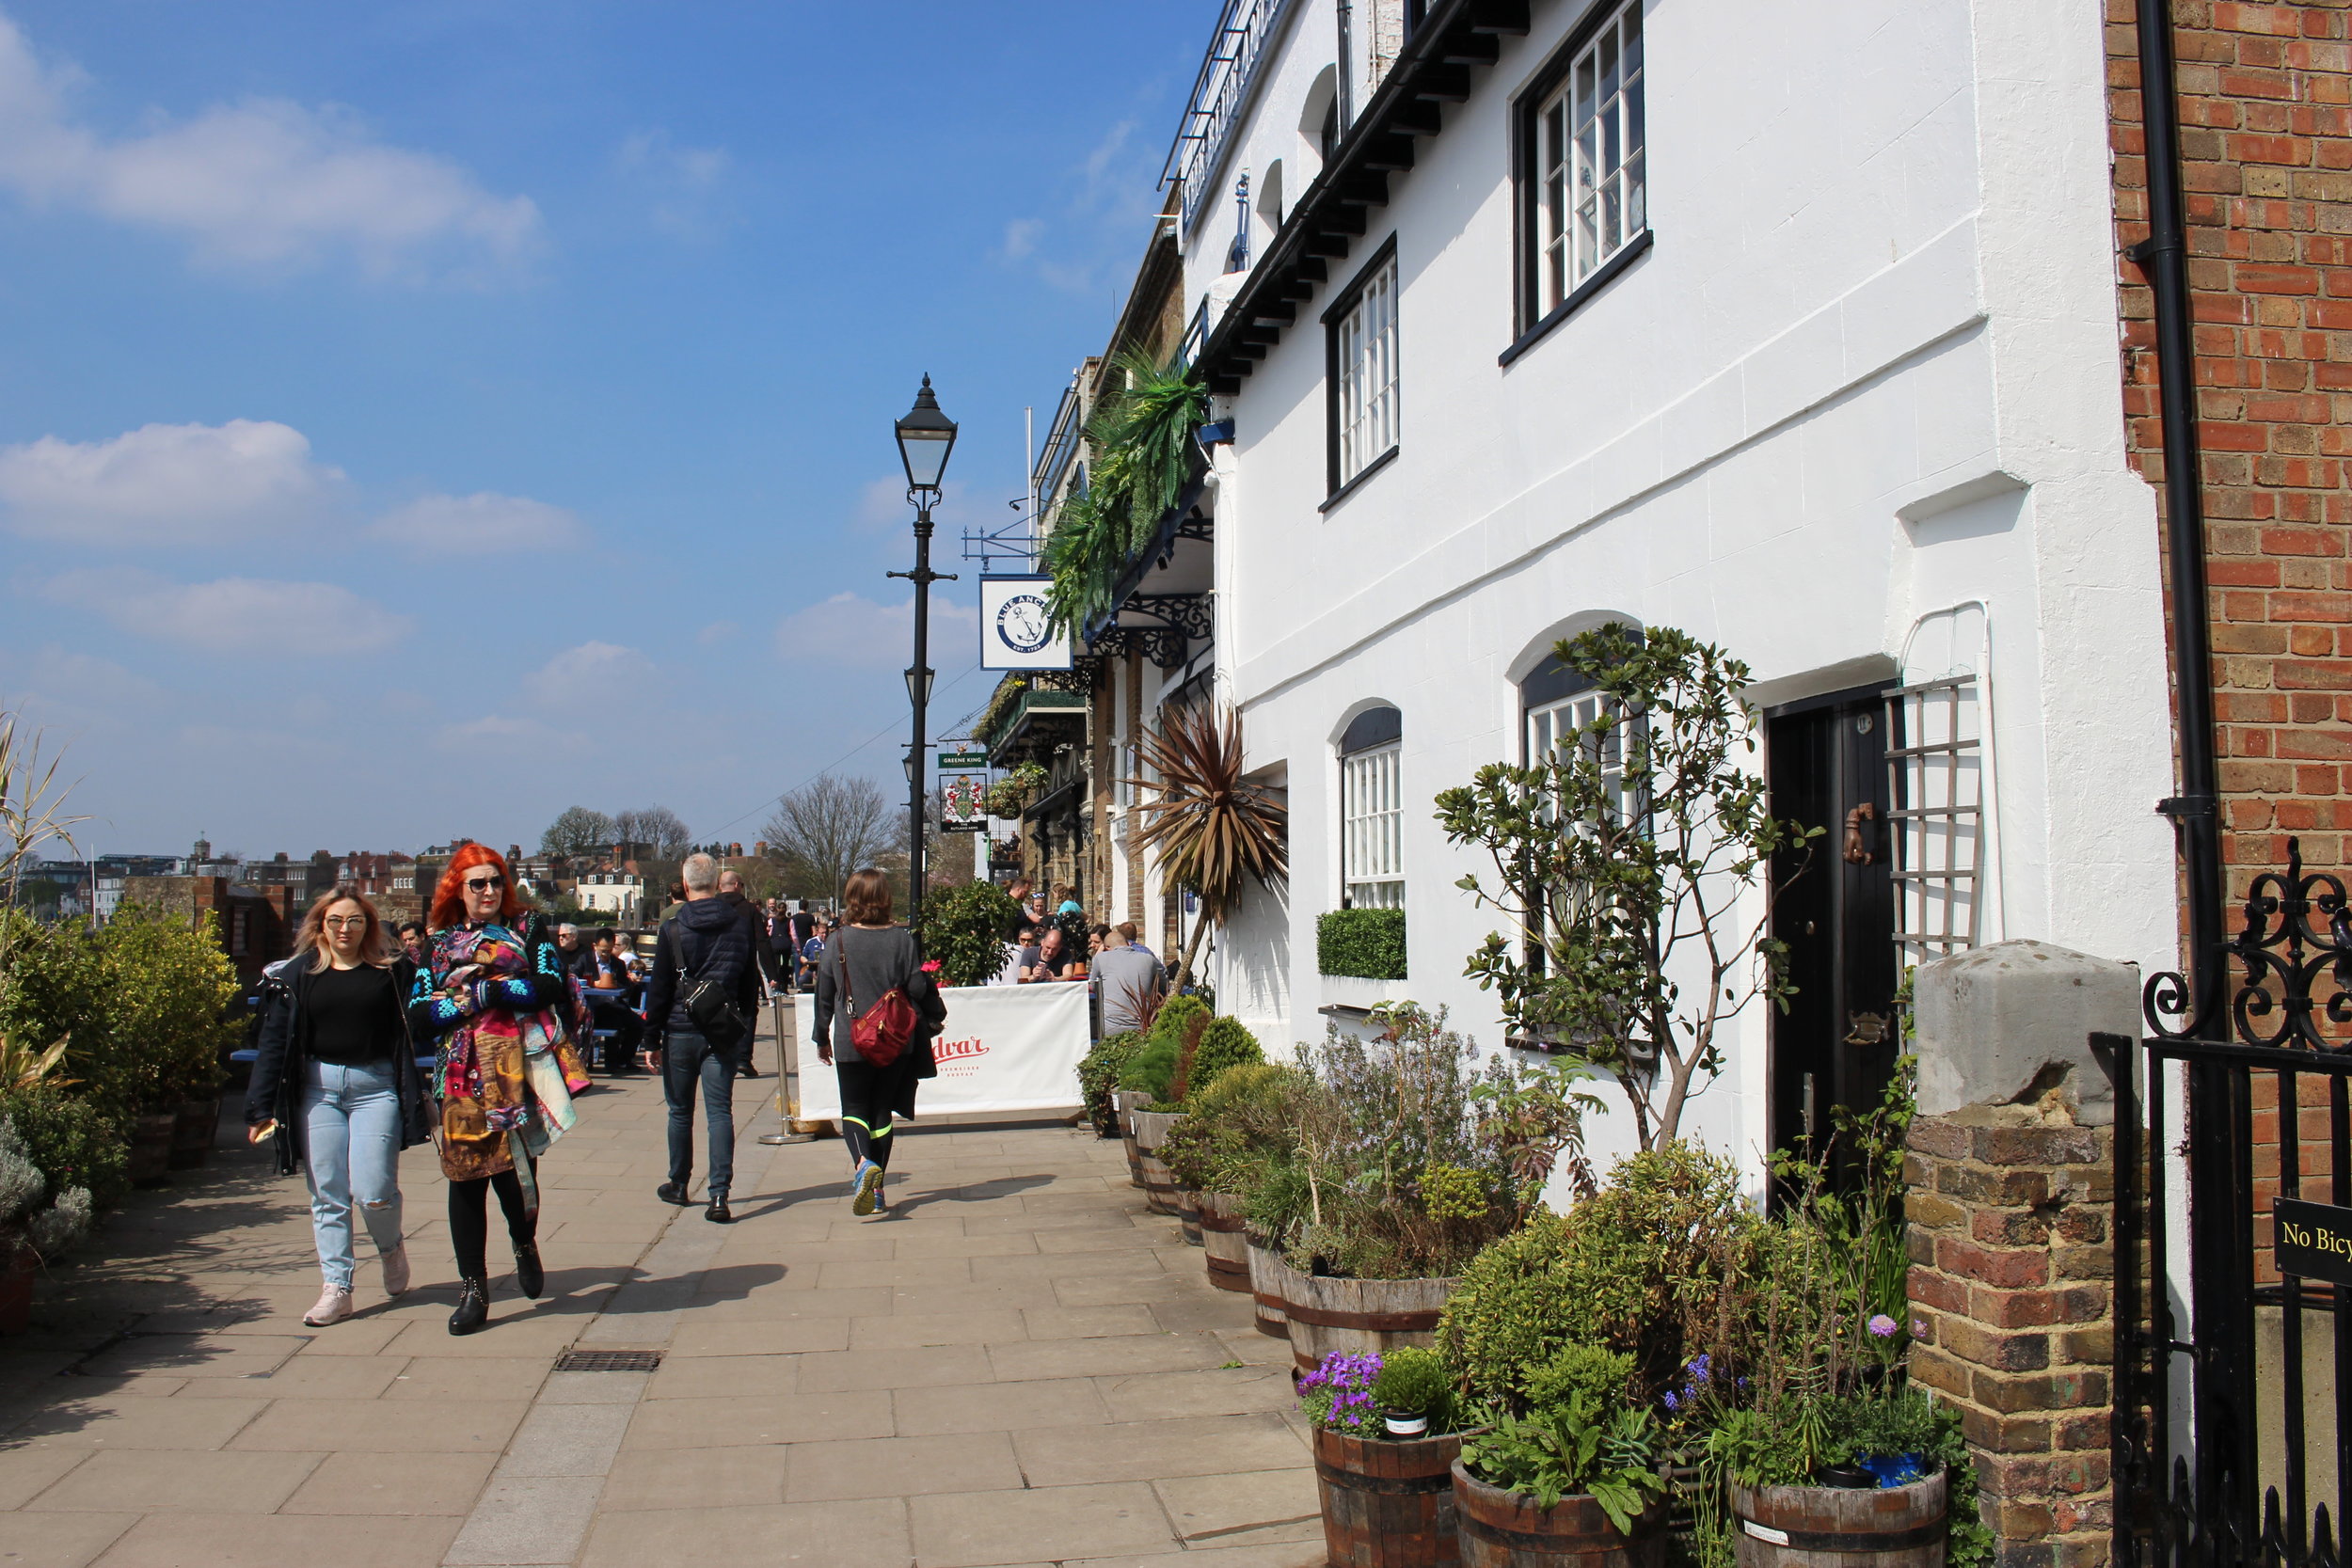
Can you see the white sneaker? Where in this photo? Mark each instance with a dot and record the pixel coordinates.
(333, 1307)
(396, 1271)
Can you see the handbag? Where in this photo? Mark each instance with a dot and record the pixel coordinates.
(882, 1032)
(713, 1010)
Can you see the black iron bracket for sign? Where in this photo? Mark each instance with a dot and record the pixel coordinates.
(2312, 1240)
(1187, 612)
(2294, 950)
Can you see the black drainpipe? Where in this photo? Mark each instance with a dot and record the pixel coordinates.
(2163, 258)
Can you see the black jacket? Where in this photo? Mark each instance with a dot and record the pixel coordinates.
(708, 939)
(276, 1090)
(756, 927)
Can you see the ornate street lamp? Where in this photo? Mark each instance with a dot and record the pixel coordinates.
(926, 437)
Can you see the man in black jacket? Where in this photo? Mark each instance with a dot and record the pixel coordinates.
(763, 950)
(706, 941)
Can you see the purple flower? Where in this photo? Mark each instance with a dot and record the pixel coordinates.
(1699, 1368)
(1673, 1401)
(1883, 1326)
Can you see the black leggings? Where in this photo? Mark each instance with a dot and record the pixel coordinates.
(867, 1095)
(469, 1219)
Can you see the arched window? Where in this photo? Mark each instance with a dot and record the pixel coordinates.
(1559, 702)
(1372, 811)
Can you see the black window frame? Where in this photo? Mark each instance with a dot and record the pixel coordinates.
(1342, 303)
(1529, 320)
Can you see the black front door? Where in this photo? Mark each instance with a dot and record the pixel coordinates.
(1825, 763)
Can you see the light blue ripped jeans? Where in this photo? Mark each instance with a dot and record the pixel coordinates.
(350, 1142)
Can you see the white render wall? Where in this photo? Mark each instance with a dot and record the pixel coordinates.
(1868, 372)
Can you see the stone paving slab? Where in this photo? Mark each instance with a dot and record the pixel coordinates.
(1021, 1367)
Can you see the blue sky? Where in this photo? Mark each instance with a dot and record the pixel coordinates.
(416, 417)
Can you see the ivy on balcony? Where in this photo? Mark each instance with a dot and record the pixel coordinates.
(1143, 455)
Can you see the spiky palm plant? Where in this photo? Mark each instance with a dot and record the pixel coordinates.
(1211, 830)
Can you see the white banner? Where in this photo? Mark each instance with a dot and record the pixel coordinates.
(1006, 1048)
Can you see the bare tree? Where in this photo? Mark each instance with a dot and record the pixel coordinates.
(833, 826)
(656, 825)
(578, 831)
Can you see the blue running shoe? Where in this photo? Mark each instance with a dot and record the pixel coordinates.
(869, 1177)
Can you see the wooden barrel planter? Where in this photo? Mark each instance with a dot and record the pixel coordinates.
(1188, 1212)
(1225, 1238)
(1505, 1530)
(1269, 1290)
(150, 1146)
(192, 1132)
(1387, 1502)
(1357, 1316)
(1125, 1102)
(1159, 1184)
(1837, 1526)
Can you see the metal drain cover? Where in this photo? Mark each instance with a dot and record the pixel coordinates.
(609, 1361)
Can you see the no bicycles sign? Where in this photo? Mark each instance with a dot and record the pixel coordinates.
(2312, 1240)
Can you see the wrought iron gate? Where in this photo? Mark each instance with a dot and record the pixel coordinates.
(2265, 1475)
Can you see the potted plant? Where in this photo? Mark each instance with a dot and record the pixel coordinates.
(1156, 1071)
(37, 1220)
(1233, 1131)
(1574, 1478)
(1387, 1496)
(1416, 1155)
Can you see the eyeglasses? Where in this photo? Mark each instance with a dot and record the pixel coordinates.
(483, 884)
(340, 921)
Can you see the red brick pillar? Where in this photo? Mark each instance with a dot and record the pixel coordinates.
(2014, 1314)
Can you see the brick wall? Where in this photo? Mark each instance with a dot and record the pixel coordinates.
(2266, 138)
(2013, 1313)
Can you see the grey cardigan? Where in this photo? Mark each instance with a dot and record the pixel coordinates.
(878, 962)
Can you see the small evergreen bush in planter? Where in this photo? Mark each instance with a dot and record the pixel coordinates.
(74, 1143)
(1224, 1045)
(1415, 1381)
(1098, 1076)
(1158, 1068)
(1367, 944)
(1235, 1130)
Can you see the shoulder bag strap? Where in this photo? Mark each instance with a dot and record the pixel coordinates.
(841, 951)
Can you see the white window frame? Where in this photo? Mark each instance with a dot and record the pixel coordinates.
(1936, 766)
(1590, 168)
(1371, 827)
(1365, 387)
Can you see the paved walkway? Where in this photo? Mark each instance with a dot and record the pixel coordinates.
(1021, 1367)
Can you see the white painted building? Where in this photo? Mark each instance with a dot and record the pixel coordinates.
(618, 894)
(1839, 391)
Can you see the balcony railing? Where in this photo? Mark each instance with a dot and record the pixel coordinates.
(1243, 29)
(1061, 447)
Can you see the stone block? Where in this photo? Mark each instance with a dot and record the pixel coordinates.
(2009, 1023)
(1991, 1433)
(2003, 1349)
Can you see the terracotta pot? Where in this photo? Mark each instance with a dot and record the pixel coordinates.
(1894, 1527)
(1387, 1503)
(1269, 1290)
(193, 1129)
(17, 1263)
(1357, 1316)
(1505, 1530)
(150, 1146)
(1225, 1241)
(1159, 1182)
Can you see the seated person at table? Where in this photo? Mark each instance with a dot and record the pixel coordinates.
(1053, 962)
(611, 993)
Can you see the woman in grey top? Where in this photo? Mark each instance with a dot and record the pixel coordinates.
(879, 957)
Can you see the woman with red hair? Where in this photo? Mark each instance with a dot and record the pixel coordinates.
(493, 998)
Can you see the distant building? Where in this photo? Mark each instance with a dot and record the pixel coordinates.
(618, 894)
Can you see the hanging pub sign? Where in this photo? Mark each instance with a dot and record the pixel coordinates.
(1017, 629)
(2312, 1240)
(960, 807)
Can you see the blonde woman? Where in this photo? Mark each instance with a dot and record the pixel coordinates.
(335, 1080)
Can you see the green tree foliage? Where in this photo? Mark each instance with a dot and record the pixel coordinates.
(72, 1142)
(963, 929)
(1628, 858)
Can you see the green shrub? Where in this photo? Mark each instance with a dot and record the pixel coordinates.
(1645, 1267)
(1224, 1045)
(1233, 1127)
(161, 1029)
(1157, 1069)
(1368, 944)
(72, 1142)
(1415, 1380)
(1098, 1076)
(52, 1219)
(1151, 1069)
(963, 929)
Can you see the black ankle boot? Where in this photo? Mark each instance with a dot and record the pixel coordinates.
(473, 1306)
(531, 1275)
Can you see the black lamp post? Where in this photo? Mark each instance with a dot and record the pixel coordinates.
(926, 437)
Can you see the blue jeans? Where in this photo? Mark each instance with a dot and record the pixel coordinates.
(351, 1142)
(685, 1058)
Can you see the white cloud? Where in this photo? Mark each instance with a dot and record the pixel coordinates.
(478, 524)
(234, 614)
(851, 630)
(1089, 241)
(60, 686)
(498, 733)
(165, 484)
(264, 182)
(595, 675)
(718, 632)
(682, 183)
(1020, 236)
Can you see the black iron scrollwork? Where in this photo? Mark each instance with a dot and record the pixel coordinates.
(2295, 945)
(1187, 612)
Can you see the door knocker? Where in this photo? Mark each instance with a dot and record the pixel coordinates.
(1857, 852)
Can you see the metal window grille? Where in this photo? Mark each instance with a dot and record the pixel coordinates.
(1372, 818)
(1935, 778)
(1590, 135)
(1367, 374)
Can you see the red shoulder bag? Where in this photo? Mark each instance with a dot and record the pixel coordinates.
(882, 1032)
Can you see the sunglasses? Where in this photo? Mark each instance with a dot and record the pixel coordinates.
(483, 884)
